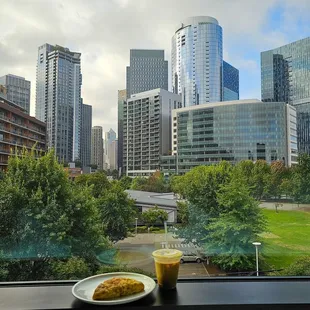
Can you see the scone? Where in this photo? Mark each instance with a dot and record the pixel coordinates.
(117, 287)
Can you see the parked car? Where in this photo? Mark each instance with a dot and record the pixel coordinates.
(191, 257)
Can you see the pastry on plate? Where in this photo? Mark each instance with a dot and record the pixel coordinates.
(117, 287)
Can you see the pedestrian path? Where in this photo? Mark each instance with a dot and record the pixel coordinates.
(179, 245)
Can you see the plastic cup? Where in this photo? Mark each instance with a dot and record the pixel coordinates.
(167, 262)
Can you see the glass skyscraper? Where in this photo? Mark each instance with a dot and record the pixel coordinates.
(86, 127)
(233, 131)
(285, 74)
(230, 82)
(197, 63)
(58, 99)
(122, 95)
(148, 70)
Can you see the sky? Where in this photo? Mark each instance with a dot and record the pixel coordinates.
(104, 31)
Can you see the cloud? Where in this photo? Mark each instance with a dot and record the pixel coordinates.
(105, 30)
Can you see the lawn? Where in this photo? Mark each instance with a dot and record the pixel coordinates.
(287, 237)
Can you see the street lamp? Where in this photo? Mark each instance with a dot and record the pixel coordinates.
(136, 225)
(256, 244)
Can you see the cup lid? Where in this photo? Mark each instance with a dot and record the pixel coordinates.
(167, 253)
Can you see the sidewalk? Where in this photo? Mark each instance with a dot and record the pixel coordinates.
(150, 239)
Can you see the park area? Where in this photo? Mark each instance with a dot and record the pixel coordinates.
(287, 237)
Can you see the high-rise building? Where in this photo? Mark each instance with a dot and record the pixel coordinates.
(232, 131)
(86, 127)
(230, 82)
(110, 137)
(19, 130)
(122, 95)
(58, 99)
(147, 130)
(97, 147)
(285, 74)
(113, 155)
(18, 90)
(148, 70)
(197, 63)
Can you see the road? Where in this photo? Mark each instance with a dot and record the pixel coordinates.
(147, 243)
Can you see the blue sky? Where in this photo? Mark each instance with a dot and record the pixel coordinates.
(105, 30)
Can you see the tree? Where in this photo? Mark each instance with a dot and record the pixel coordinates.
(301, 267)
(261, 177)
(125, 182)
(71, 269)
(182, 212)
(155, 183)
(230, 234)
(301, 179)
(154, 216)
(117, 212)
(114, 174)
(44, 218)
(278, 172)
(177, 185)
(98, 182)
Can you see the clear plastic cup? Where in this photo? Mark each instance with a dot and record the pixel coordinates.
(167, 262)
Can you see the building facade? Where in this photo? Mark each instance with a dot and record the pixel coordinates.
(285, 76)
(122, 96)
(109, 149)
(147, 130)
(18, 90)
(86, 127)
(18, 130)
(233, 131)
(58, 99)
(97, 147)
(112, 154)
(148, 70)
(197, 63)
(230, 82)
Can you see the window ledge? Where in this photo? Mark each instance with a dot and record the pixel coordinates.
(216, 293)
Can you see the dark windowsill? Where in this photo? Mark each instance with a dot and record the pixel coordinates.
(205, 293)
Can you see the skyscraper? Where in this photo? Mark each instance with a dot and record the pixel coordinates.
(148, 70)
(18, 90)
(230, 82)
(86, 127)
(113, 155)
(121, 99)
(97, 147)
(109, 151)
(285, 74)
(197, 62)
(147, 130)
(58, 99)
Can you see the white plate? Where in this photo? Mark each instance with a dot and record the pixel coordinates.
(84, 289)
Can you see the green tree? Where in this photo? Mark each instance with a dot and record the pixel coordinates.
(301, 267)
(117, 212)
(98, 182)
(154, 216)
(278, 172)
(155, 183)
(44, 218)
(138, 184)
(261, 179)
(177, 185)
(125, 182)
(182, 212)
(301, 179)
(114, 174)
(230, 234)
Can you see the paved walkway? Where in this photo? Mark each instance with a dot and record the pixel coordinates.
(288, 206)
(149, 239)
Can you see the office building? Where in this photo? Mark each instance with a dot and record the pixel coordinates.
(285, 74)
(86, 127)
(18, 90)
(147, 130)
(58, 99)
(19, 130)
(109, 151)
(230, 82)
(148, 70)
(122, 95)
(232, 131)
(197, 63)
(112, 155)
(3, 91)
(97, 147)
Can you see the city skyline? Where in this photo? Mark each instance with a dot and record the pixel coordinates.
(264, 26)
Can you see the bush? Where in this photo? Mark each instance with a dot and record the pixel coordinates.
(154, 229)
(300, 267)
(123, 268)
(141, 229)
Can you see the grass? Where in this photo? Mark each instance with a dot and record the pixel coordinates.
(287, 237)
